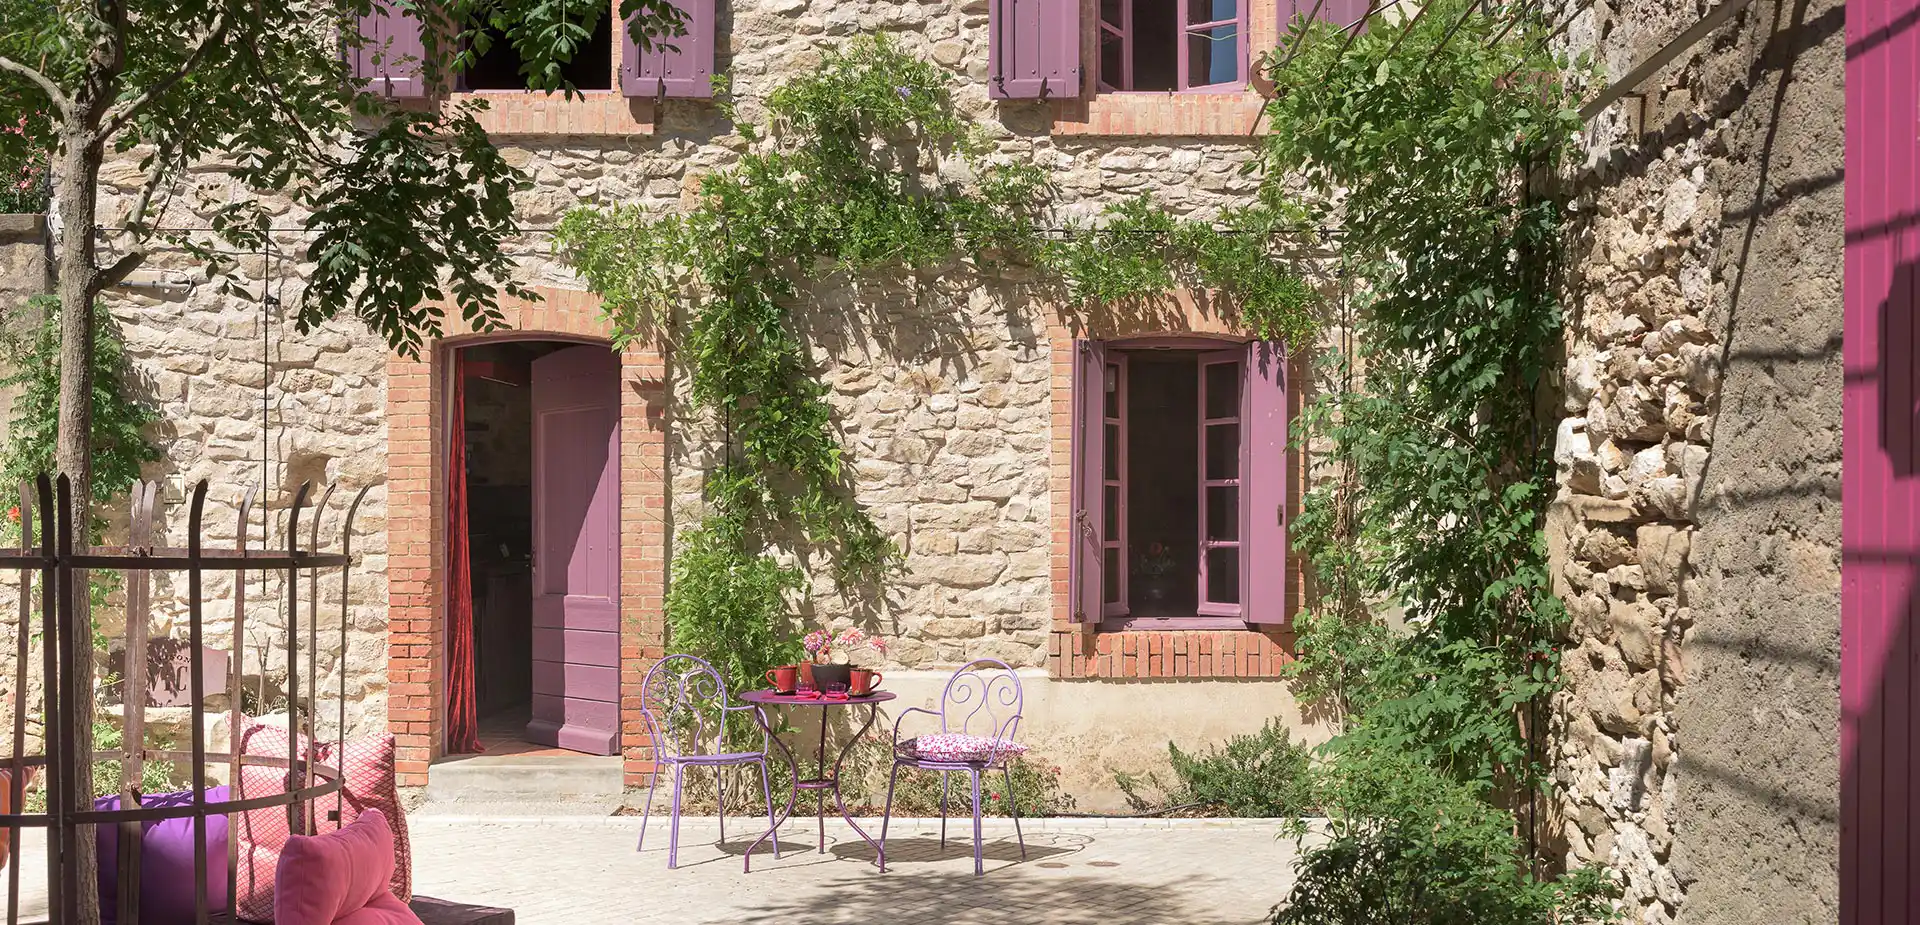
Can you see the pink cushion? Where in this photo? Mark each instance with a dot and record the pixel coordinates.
(368, 766)
(260, 834)
(323, 878)
(960, 747)
(384, 910)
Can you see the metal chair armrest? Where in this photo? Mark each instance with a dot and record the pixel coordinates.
(903, 715)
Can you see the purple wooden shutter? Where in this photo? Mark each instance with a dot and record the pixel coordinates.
(686, 72)
(390, 57)
(1263, 468)
(1084, 529)
(1033, 50)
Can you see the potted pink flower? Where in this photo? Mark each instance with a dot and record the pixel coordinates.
(821, 648)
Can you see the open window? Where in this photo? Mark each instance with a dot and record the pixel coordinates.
(1172, 45)
(388, 59)
(1179, 484)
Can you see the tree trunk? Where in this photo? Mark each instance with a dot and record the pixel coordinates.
(77, 280)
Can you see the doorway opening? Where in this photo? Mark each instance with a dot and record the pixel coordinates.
(500, 436)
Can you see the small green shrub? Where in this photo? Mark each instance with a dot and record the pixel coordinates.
(1408, 846)
(1263, 775)
(155, 776)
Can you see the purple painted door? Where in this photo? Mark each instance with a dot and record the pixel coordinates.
(576, 550)
(1880, 478)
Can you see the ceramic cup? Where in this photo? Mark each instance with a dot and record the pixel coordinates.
(864, 682)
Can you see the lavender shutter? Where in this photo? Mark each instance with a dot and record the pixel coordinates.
(1086, 544)
(1033, 50)
(686, 72)
(389, 58)
(1263, 468)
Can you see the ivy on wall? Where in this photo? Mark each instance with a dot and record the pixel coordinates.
(864, 166)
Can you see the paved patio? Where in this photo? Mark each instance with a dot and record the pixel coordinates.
(576, 870)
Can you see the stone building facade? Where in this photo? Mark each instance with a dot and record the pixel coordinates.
(1696, 534)
(955, 410)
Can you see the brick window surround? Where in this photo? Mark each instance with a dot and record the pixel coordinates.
(1082, 650)
(416, 526)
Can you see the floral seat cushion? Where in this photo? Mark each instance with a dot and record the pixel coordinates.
(960, 747)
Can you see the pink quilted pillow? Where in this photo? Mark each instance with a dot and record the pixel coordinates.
(260, 834)
(368, 766)
(960, 747)
(329, 878)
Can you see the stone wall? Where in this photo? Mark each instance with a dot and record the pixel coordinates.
(1695, 536)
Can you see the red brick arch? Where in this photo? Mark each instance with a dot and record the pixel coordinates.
(416, 525)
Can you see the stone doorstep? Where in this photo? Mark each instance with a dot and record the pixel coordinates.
(526, 779)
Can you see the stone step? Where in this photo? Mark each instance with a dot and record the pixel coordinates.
(526, 779)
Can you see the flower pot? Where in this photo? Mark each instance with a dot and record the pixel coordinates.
(826, 676)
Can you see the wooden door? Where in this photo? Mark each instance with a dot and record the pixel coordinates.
(576, 550)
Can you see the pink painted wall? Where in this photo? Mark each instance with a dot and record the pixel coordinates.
(1881, 475)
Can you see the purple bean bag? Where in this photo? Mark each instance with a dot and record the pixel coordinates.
(166, 861)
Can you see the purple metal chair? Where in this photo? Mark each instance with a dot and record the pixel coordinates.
(684, 701)
(982, 699)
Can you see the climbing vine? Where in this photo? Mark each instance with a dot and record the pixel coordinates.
(1430, 142)
(862, 166)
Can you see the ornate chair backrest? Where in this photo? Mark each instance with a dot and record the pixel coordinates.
(684, 701)
(982, 698)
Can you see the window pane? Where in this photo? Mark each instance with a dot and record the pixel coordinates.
(1223, 513)
(1213, 56)
(1110, 13)
(1199, 11)
(1112, 60)
(1110, 502)
(1110, 576)
(1223, 451)
(1223, 575)
(1111, 466)
(1113, 390)
(1223, 390)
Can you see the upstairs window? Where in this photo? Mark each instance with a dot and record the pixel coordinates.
(1172, 45)
(1179, 495)
(388, 57)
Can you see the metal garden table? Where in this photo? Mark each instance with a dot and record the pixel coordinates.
(823, 779)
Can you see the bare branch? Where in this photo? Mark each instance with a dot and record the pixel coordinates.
(112, 274)
(46, 85)
(122, 113)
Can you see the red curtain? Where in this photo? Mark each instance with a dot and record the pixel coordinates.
(463, 723)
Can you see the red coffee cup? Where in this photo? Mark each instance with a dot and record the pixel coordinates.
(865, 682)
(783, 678)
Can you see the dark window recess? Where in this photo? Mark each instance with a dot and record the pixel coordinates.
(1163, 501)
(590, 69)
(1144, 44)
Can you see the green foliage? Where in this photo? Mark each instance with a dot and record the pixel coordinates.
(733, 612)
(120, 444)
(546, 34)
(23, 167)
(1411, 846)
(1422, 146)
(1426, 167)
(155, 776)
(1264, 775)
(1140, 252)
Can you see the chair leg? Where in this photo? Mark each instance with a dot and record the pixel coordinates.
(673, 837)
(766, 791)
(720, 788)
(886, 815)
(1014, 808)
(943, 810)
(978, 866)
(647, 813)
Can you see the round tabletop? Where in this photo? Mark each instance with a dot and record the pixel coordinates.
(772, 698)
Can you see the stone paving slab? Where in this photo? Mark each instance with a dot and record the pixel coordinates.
(574, 870)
